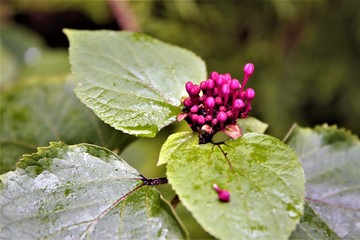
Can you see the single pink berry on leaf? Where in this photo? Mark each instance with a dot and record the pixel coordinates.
(224, 195)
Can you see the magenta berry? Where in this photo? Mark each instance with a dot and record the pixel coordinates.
(250, 93)
(201, 120)
(223, 195)
(249, 69)
(194, 109)
(188, 86)
(217, 103)
(210, 102)
(214, 75)
(203, 85)
(209, 84)
(188, 102)
(234, 84)
(195, 90)
(221, 117)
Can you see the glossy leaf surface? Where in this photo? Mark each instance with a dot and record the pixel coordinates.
(251, 124)
(331, 161)
(262, 174)
(132, 81)
(44, 109)
(81, 192)
(312, 227)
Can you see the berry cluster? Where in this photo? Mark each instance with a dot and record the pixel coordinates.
(217, 103)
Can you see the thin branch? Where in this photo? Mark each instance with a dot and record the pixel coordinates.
(124, 15)
(289, 132)
(175, 201)
(154, 181)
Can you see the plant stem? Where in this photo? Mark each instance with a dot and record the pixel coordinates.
(175, 201)
(124, 15)
(154, 181)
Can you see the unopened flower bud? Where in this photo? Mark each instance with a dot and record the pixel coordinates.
(194, 118)
(214, 75)
(203, 85)
(202, 98)
(188, 86)
(209, 84)
(188, 102)
(229, 114)
(210, 102)
(195, 90)
(194, 109)
(225, 89)
(208, 118)
(238, 104)
(234, 84)
(222, 109)
(227, 77)
(218, 101)
(214, 122)
(220, 80)
(221, 117)
(250, 93)
(201, 120)
(223, 195)
(249, 69)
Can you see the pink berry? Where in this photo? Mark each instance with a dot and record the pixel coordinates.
(250, 93)
(223, 195)
(249, 69)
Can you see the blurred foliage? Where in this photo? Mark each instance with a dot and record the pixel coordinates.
(96, 10)
(307, 52)
(306, 55)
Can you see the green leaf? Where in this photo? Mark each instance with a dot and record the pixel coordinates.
(331, 162)
(44, 109)
(312, 227)
(173, 142)
(132, 81)
(262, 174)
(251, 124)
(81, 192)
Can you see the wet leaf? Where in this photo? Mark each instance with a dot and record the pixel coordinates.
(173, 142)
(44, 109)
(251, 124)
(312, 227)
(132, 81)
(331, 161)
(262, 174)
(81, 192)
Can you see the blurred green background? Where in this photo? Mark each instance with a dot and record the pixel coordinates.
(306, 54)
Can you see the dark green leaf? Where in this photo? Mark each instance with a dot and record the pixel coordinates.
(262, 174)
(81, 192)
(331, 161)
(312, 227)
(41, 110)
(131, 81)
